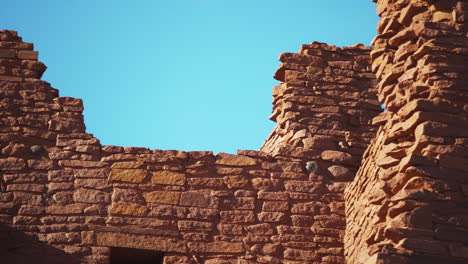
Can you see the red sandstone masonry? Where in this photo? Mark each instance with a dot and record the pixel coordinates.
(64, 198)
(408, 202)
(77, 198)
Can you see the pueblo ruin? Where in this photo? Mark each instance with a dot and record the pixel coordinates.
(339, 180)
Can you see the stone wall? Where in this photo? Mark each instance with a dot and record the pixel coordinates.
(64, 198)
(408, 202)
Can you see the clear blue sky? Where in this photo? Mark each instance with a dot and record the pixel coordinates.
(179, 74)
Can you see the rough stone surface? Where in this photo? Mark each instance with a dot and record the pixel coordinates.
(406, 202)
(295, 201)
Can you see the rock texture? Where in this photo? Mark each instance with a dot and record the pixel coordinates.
(408, 202)
(284, 204)
(65, 198)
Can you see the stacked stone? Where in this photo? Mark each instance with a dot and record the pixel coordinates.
(42, 140)
(323, 108)
(64, 198)
(408, 202)
(325, 101)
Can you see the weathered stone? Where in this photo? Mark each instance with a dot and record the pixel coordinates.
(266, 184)
(296, 254)
(341, 172)
(90, 196)
(280, 206)
(71, 209)
(272, 217)
(275, 196)
(197, 199)
(163, 197)
(202, 213)
(81, 163)
(194, 226)
(337, 157)
(237, 217)
(128, 165)
(140, 241)
(130, 209)
(127, 195)
(28, 187)
(12, 164)
(172, 211)
(168, 178)
(128, 175)
(216, 247)
(234, 160)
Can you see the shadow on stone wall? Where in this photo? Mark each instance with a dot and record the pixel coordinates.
(17, 247)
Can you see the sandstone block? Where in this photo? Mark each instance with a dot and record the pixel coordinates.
(237, 216)
(236, 182)
(234, 160)
(128, 175)
(216, 247)
(266, 184)
(303, 186)
(66, 209)
(197, 199)
(90, 196)
(130, 209)
(209, 183)
(59, 186)
(230, 229)
(40, 164)
(164, 244)
(12, 164)
(91, 173)
(202, 213)
(275, 196)
(128, 165)
(272, 217)
(341, 172)
(239, 203)
(302, 220)
(337, 157)
(127, 195)
(26, 187)
(25, 220)
(10, 78)
(28, 54)
(261, 229)
(162, 197)
(168, 178)
(27, 198)
(309, 208)
(7, 53)
(81, 163)
(320, 142)
(158, 210)
(194, 226)
(276, 206)
(297, 254)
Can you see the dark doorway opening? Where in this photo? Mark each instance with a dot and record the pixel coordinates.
(120, 255)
